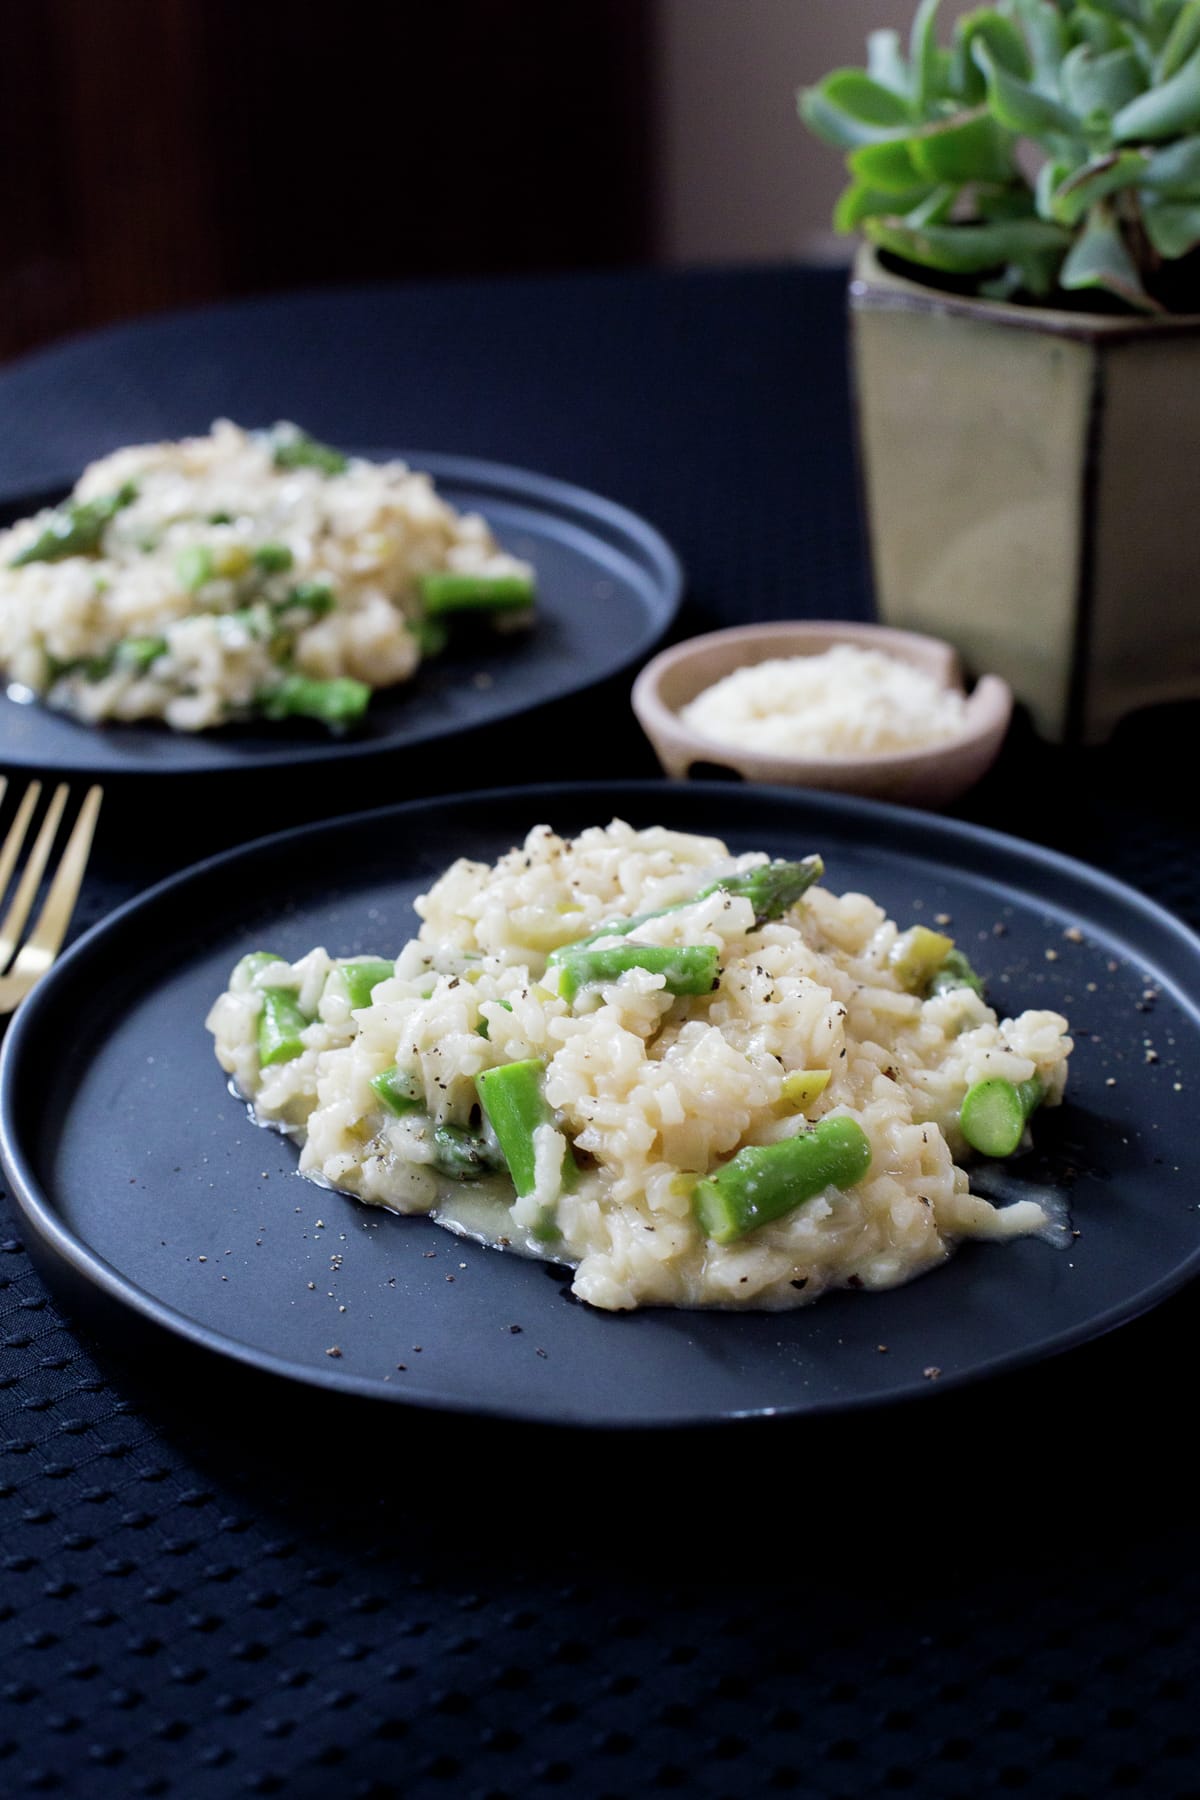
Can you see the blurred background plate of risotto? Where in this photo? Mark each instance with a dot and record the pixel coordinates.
(242, 575)
(698, 1079)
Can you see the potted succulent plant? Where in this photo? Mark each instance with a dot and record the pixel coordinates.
(1026, 341)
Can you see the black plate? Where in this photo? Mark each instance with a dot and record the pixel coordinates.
(142, 1180)
(609, 586)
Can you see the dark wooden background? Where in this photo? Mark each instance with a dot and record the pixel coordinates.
(157, 153)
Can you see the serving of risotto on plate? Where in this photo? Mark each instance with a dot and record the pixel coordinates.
(242, 575)
(698, 1079)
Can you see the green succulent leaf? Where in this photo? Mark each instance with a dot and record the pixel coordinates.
(861, 201)
(937, 208)
(1131, 11)
(1050, 177)
(886, 63)
(1005, 41)
(970, 249)
(1145, 50)
(1173, 227)
(923, 54)
(831, 122)
(1100, 33)
(1100, 97)
(1075, 194)
(1101, 84)
(1174, 172)
(889, 166)
(1046, 35)
(971, 147)
(1182, 42)
(1101, 259)
(1163, 112)
(1022, 108)
(1010, 202)
(867, 101)
(1039, 272)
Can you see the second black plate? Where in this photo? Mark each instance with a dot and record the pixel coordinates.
(609, 586)
(142, 1181)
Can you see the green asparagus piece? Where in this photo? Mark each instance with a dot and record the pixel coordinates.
(463, 1154)
(273, 559)
(92, 668)
(687, 969)
(994, 1113)
(515, 1104)
(772, 889)
(767, 1181)
(315, 597)
(194, 566)
(363, 977)
(611, 928)
(279, 1026)
(268, 620)
(399, 1090)
(292, 448)
(955, 972)
(917, 955)
(445, 591)
(137, 653)
(339, 701)
(76, 529)
(133, 653)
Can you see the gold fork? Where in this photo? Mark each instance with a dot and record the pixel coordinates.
(21, 967)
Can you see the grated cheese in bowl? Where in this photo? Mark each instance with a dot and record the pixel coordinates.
(845, 701)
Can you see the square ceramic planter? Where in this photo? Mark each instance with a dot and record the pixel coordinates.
(1032, 490)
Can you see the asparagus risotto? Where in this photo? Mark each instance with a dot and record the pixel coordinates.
(699, 1079)
(242, 574)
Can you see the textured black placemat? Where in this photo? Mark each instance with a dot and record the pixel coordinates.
(986, 1594)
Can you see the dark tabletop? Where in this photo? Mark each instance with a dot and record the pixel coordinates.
(202, 1593)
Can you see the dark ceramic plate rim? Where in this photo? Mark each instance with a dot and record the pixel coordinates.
(1164, 941)
(576, 506)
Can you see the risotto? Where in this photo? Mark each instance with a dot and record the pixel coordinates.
(698, 1079)
(242, 574)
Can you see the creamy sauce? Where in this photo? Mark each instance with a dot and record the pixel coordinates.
(280, 1127)
(477, 1210)
(472, 1212)
(1002, 1188)
(481, 1212)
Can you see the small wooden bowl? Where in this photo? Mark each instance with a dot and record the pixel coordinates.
(932, 776)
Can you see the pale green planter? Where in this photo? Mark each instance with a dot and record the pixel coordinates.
(1032, 483)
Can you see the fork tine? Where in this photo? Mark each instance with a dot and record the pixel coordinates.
(41, 947)
(16, 837)
(27, 887)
